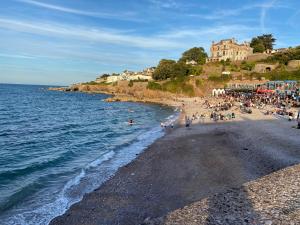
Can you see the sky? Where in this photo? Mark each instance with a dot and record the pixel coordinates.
(60, 42)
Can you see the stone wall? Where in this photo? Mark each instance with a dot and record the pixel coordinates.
(264, 67)
(294, 64)
(257, 56)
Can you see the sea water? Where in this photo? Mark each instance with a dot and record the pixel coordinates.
(57, 146)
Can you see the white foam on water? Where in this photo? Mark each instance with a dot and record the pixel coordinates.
(44, 214)
(105, 157)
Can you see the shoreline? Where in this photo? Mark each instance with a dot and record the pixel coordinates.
(169, 100)
(184, 166)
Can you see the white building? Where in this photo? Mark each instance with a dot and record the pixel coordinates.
(191, 62)
(146, 74)
(113, 78)
(140, 77)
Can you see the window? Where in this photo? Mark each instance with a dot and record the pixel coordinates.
(224, 53)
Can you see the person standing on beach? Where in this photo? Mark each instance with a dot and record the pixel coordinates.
(298, 119)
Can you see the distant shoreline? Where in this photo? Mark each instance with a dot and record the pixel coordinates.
(171, 100)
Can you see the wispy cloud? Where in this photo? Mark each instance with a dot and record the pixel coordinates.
(168, 4)
(172, 39)
(207, 32)
(220, 14)
(130, 16)
(264, 9)
(17, 56)
(86, 34)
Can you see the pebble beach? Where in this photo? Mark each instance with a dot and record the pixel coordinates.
(227, 172)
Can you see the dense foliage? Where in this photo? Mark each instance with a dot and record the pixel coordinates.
(170, 69)
(247, 65)
(91, 83)
(105, 75)
(154, 86)
(197, 54)
(283, 75)
(195, 70)
(177, 86)
(285, 57)
(262, 43)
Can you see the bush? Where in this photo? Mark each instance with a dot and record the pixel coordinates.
(154, 86)
(195, 70)
(220, 79)
(234, 68)
(130, 84)
(247, 65)
(283, 75)
(199, 83)
(284, 57)
(179, 86)
(91, 83)
(280, 74)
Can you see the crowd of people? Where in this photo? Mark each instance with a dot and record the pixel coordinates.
(224, 107)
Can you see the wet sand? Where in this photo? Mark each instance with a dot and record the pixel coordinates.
(188, 165)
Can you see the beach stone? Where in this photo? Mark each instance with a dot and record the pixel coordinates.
(268, 222)
(274, 199)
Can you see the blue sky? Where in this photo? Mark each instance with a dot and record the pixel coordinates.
(67, 41)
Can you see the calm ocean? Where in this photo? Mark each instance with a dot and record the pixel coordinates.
(56, 146)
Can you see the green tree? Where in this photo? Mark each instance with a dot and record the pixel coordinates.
(180, 69)
(105, 75)
(197, 54)
(263, 43)
(195, 70)
(164, 69)
(170, 69)
(257, 45)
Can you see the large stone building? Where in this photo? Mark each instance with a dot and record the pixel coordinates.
(229, 49)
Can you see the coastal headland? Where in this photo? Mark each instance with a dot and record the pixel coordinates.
(208, 173)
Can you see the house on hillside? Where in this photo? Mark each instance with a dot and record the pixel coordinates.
(113, 78)
(191, 62)
(229, 49)
(127, 75)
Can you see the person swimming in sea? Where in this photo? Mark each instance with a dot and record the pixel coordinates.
(130, 122)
